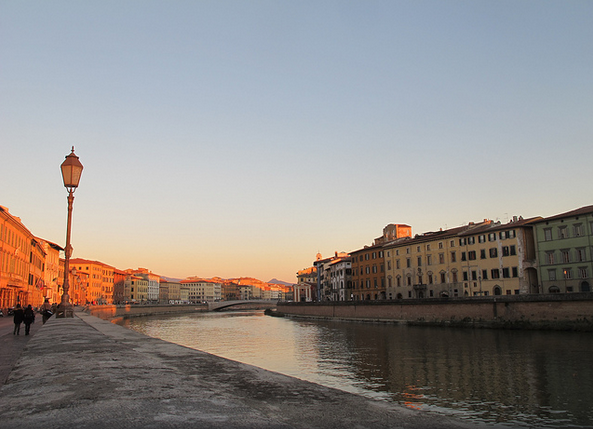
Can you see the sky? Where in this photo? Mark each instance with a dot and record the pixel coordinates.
(240, 138)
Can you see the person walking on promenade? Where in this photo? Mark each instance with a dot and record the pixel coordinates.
(19, 315)
(28, 318)
(46, 310)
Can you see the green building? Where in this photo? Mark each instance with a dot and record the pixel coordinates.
(564, 244)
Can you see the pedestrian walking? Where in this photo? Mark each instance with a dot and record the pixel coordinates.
(19, 315)
(46, 310)
(28, 318)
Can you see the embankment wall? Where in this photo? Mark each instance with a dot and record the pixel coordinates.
(108, 312)
(561, 312)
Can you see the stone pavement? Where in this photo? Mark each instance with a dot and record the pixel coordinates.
(11, 346)
(89, 373)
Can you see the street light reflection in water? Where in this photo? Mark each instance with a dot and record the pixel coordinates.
(506, 378)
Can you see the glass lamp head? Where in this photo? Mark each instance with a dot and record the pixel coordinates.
(71, 170)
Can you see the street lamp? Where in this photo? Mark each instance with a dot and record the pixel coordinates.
(71, 172)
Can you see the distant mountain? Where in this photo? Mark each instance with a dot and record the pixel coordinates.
(279, 282)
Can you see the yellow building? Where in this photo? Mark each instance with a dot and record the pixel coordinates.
(19, 278)
(51, 277)
(486, 258)
(100, 280)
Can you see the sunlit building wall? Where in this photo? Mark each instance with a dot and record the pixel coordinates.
(153, 283)
(52, 270)
(203, 291)
(101, 279)
(368, 265)
(15, 251)
(486, 258)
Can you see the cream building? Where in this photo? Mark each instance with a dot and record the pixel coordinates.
(203, 290)
(487, 258)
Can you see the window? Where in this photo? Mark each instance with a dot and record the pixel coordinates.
(465, 276)
(452, 243)
(567, 273)
(495, 273)
(515, 271)
(441, 258)
(482, 239)
(471, 240)
(408, 262)
(419, 261)
(583, 272)
(418, 249)
(388, 265)
(513, 250)
(562, 232)
(474, 275)
(453, 258)
(443, 278)
(471, 255)
(548, 234)
(482, 253)
(397, 264)
(511, 234)
(550, 257)
(462, 241)
(505, 251)
(580, 254)
(428, 259)
(485, 274)
(463, 256)
(454, 275)
(428, 247)
(552, 275)
(409, 280)
(578, 230)
(493, 252)
(492, 236)
(565, 256)
(430, 279)
(505, 273)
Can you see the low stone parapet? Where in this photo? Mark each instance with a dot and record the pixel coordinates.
(556, 311)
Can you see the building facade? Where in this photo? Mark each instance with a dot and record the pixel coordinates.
(369, 279)
(486, 258)
(564, 245)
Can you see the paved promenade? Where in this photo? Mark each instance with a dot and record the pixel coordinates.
(89, 373)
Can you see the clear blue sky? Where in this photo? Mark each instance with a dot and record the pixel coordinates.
(240, 138)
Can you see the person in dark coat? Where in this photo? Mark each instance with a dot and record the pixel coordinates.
(19, 315)
(28, 318)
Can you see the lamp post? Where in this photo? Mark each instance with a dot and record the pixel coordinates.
(71, 172)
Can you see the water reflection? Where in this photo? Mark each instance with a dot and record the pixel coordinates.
(513, 378)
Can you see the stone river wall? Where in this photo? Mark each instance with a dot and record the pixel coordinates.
(555, 311)
(108, 312)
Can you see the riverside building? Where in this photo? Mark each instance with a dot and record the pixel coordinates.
(368, 265)
(565, 251)
(100, 280)
(486, 258)
(23, 276)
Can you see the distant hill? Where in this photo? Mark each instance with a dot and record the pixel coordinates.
(279, 282)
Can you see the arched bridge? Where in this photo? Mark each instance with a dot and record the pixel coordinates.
(216, 306)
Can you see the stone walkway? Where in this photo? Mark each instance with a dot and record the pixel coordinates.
(89, 373)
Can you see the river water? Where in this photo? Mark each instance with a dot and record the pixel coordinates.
(534, 379)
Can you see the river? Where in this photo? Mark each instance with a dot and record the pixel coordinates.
(534, 379)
